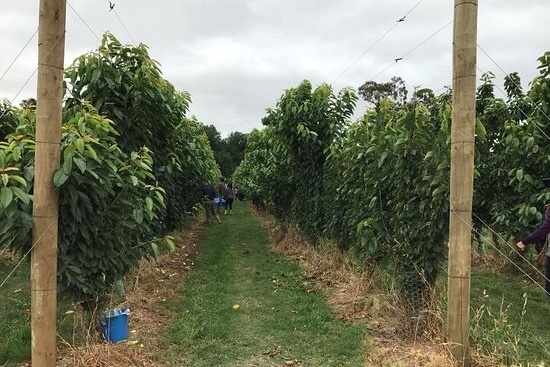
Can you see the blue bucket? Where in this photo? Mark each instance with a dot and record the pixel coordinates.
(114, 325)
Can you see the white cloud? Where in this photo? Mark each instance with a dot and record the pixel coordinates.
(236, 57)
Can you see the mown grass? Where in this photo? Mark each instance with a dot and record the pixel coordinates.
(15, 330)
(243, 305)
(15, 308)
(510, 317)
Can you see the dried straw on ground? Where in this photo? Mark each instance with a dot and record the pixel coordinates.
(147, 290)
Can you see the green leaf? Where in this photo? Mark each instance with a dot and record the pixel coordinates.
(28, 173)
(382, 158)
(95, 75)
(5, 179)
(19, 179)
(155, 249)
(6, 196)
(138, 215)
(16, 153)
(59, 178)
(169, 243)
(519, 174)
(480, 129)
(149, 203)
(159, 197)
(92, 152)
(74, 269)
(530, 142)
(68, 153)
(22, 195)
(134, 180)
(67, 165)
(80, 163)
(79, 144)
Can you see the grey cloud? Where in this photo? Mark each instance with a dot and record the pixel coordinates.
(236, 57)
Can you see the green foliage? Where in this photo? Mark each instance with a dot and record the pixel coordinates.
(108, 201)
(375, 93)
(16, 180)
(263, 174)
(123, 83)
(516, 154)
(305, 122)
(381, 184)
(229, 152)
(8, 119)
(389, 180)
(193, 164)
(131, 163)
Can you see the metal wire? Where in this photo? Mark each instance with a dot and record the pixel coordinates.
(8, 245)
(25, 255)
(502, 253)
(504, 72)
(18, 55)
(83, 21)
(376, 42)
(34, 72)
(412, 50)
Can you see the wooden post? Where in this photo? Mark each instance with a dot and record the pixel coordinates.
(51, 53)
(462, 174)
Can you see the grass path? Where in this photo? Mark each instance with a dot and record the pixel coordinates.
(243, 305)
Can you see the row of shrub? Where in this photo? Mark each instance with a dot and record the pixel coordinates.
(380, 185)
(131, 164)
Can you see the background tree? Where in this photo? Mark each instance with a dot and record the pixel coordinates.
(374, 92)
(229, 152)
(234, 146)
(8, 119)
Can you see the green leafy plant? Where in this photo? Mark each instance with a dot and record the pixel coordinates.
(131, 164)
(16, 179)
(126, 85)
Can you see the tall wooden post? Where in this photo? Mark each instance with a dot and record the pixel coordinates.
(51, 52)
(462, 177)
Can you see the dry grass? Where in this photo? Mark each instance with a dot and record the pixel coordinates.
(147, 291)
(489, 261)
(397, 337)
(353, 293)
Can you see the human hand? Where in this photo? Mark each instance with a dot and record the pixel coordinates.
(521, 246)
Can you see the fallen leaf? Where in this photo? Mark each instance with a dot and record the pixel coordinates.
(236, 307)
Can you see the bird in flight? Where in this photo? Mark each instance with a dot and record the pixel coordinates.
(401, 19)
(111, 6)
(398, 59)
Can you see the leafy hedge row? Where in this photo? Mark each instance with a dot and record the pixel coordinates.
(381, 184)
(131, 163)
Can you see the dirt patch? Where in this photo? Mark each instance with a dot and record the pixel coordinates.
(148, 289)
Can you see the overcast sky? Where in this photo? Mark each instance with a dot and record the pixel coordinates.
(236, 57)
